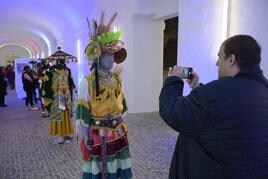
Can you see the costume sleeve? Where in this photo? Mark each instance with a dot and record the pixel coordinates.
(71, 83)
(186, 115)
(83, 108)
(46, 90)
(119, 92)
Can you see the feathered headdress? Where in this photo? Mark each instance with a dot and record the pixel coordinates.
(103, 40)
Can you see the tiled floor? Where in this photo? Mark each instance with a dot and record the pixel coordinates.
(28, 152)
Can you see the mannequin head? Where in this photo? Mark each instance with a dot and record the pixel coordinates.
(106, 62)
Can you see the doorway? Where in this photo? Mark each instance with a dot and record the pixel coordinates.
(170, 44)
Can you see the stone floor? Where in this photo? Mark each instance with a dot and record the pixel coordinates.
(28, 152)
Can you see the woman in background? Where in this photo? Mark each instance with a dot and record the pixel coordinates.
(28, 85)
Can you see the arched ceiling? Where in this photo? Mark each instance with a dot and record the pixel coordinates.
(39, 25)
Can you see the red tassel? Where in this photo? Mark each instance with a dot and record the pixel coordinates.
(85, 152)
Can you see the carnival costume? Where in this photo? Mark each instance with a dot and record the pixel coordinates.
(101, 104)
(56, 91)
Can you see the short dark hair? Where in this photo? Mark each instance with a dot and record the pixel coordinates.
(246, 49)
(26, 67)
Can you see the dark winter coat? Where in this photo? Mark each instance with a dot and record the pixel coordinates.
(223, 127)
(3, 86)
(11, 76)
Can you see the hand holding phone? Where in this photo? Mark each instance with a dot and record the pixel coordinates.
(182, 72)
(187, 72)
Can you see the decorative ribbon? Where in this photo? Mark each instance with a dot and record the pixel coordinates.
(103, 155)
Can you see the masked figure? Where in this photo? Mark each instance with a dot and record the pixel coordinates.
(101, 105)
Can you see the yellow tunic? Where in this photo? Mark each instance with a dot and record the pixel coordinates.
(109, 101)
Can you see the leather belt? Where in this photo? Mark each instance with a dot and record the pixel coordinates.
(107, 122)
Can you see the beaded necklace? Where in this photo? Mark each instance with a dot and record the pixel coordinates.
(106, 79)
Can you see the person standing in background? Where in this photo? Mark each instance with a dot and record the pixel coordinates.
(11, 76)
(3, 88)
(28, 85)
(40, 75)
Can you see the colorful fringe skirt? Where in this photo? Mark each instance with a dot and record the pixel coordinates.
(109, 157)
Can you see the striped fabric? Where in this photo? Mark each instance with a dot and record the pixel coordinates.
(122, 174)
(61, 94)
(64, 98)
(55, 111)
(120, 162)
(60, 110)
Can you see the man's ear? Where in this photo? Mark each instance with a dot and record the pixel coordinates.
(232, 60)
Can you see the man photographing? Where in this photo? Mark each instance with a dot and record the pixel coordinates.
(223, 125)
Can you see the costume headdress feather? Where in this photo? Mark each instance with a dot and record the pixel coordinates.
(101, 28)
(95, 29)
(110, 22)
(89, 29)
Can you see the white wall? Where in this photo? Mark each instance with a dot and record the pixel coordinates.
(148, 63)
(200, 32)
(158, 8)
(147, 38)
(199, 37)
(250, 17)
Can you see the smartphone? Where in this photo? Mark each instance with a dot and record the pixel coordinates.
(187, 73)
